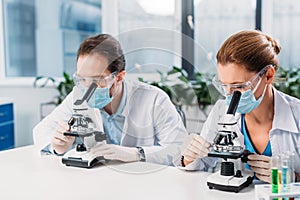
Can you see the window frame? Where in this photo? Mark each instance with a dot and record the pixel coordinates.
(258, 15)
(187, 42)
(4, 80)
(110, 24)
(2, 46)
(189, 48)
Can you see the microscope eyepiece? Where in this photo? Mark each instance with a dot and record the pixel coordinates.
(234, 102)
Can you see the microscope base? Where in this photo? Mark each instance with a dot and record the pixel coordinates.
(229, 183)
(82, 159)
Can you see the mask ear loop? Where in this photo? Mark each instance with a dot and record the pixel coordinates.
(260, 76)
(257, 84)
(263, 94)
(115, 88)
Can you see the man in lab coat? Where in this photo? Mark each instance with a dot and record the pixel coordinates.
(140, 121)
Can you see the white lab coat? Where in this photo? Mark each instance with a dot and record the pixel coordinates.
(151, 122)
(284, 135)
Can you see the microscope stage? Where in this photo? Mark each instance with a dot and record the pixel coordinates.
(226, 155)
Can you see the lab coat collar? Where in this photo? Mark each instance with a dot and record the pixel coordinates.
(122, 103)
(123, 100)
(128, 87)
(283, 115)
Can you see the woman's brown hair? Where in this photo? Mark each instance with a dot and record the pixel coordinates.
(250, 48)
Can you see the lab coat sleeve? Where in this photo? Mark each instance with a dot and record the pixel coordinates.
(169, 132)
(43, 131)
(208, 132)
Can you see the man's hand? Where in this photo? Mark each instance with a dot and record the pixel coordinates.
(59, 142)
(197, 148)
(116, 152)
(261, 165)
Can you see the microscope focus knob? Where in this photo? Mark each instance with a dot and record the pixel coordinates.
(238, 174)
(227, 169)
(71, 121)
(244, 157)
(80, 147)
(99, 136)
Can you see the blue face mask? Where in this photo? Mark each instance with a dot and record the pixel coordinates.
(100, 98)
(248, 102)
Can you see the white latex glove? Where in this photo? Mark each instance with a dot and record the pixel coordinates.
(197, 148)
(116, 152)
(260, 164)
(59, 142)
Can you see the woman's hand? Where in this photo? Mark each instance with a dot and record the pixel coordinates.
(198, 147)
(261, 165)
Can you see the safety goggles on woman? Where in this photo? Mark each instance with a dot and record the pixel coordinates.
(228, 89)
(85, 82)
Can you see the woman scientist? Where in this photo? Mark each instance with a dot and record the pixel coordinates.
(269, 120)
(140, 121)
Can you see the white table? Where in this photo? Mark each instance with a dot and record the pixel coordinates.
(24, 174)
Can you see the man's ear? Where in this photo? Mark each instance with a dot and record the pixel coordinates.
(121, 75)
(270, 74)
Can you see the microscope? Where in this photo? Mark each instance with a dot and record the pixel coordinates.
(233, 176)
(83, 127)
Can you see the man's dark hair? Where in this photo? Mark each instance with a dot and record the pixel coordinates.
(105, 45)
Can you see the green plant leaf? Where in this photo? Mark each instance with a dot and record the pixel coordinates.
(141, 79)
(183, 91)
(183, 79)
(287, 81)
(64, 87)
(45, 80)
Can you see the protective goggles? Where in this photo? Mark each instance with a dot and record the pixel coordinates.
(106, 81)
(228, 89)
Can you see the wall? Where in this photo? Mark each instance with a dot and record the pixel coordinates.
(26, 109)
(195, 117)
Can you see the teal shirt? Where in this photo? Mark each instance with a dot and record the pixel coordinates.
(248, 143)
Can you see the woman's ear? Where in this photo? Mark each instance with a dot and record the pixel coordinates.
(121, 75)
(270, 74)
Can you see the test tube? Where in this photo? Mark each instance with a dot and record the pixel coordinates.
(279, 178)
(292, 167)
(274, 173)
(285, 167)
